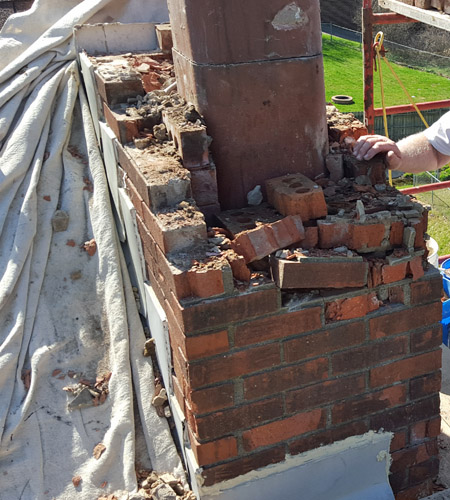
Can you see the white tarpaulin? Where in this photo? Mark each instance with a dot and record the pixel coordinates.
(67, 310)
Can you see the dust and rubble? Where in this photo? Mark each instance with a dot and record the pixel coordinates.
(348, 212)
(85, 392)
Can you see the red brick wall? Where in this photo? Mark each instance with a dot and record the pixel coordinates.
(260, 375)
(267, 382)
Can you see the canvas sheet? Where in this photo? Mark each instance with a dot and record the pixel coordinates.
(73, 379)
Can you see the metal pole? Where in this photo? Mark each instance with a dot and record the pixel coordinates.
(367, 28)
(406, 108)
(426, 188)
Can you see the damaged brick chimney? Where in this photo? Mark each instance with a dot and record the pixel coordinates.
(299, 322)
(254, 70)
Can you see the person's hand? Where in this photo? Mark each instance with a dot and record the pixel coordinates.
(368, 146)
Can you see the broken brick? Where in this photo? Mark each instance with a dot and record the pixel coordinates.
(238, 266)
(392, 273)
(415, 268)
(164, 36)
(124, 127)
(117, 90)
(190, 139)
(296, 195)
(266, 239)
(173, 230)
(374, 169)
(160, 180)
(352, 307)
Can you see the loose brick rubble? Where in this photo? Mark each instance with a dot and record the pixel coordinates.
(293, 324)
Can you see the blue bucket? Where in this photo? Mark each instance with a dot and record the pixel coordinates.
(445, 278)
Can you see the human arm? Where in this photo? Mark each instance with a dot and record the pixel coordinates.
(413, 154)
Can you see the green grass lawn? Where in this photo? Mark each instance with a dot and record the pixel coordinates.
(343, 62)
(439, 218)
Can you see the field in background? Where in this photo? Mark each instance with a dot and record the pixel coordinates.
(343, 65)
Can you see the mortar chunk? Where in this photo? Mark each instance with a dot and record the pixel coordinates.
(60, 221)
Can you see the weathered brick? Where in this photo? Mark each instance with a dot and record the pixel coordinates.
(415, 268)
(324, 342)
(212, 398)
(279, 326)
(234, 365)
(424, 386)
(427, 290)
(173, 231)
(406, 415)
(419, 491)
(396, 295)
(134, 196)
(424, 341)
(281, 430)
(169, 278)
(202, 346)
(325, 272)
(398, 441)
(403, 320)
(333, 234)
(351, 307)
(392, 273)
(239, 268)
(243, 465)
(204, 185)
(124, 127)
(375, 168)
(164, 36)
(116, 91)
(285, 378)
(207, 282)
(295, 194)
(421, 431)
(368, 404)
(396, 234)
(216, 312)
(369, 355)
(421, 228)
(257, 243)
(200, 280)
(366, 237)
(190, 139)
(214, 451)
(311, 239)
(405, 369)
(324, 392)
(423, 471)
(413, 455)
(171, 187)
(225, 422)
(312, 441)
(178, 391)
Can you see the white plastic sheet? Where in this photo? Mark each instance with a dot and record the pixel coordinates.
(63, 310)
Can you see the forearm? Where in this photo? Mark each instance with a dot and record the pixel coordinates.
(418, 155)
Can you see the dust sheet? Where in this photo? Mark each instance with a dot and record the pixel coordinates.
(73, 379)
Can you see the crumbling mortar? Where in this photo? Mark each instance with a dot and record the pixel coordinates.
(239, 391)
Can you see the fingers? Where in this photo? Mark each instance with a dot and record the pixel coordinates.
(368, 146)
